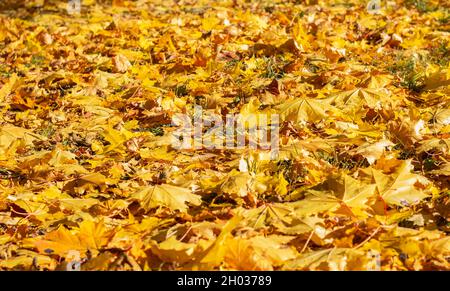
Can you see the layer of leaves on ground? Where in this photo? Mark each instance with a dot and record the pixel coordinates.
(86, 164)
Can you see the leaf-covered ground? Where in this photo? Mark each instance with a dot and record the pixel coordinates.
(87, 170)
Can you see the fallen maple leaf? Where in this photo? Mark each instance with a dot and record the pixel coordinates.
(173, 197)
(121, 63)
(402, 187)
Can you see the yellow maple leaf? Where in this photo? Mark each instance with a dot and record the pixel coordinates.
(173, 197)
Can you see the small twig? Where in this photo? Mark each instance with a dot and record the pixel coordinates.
(307, 241)
(185, 234)
(367, 239)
